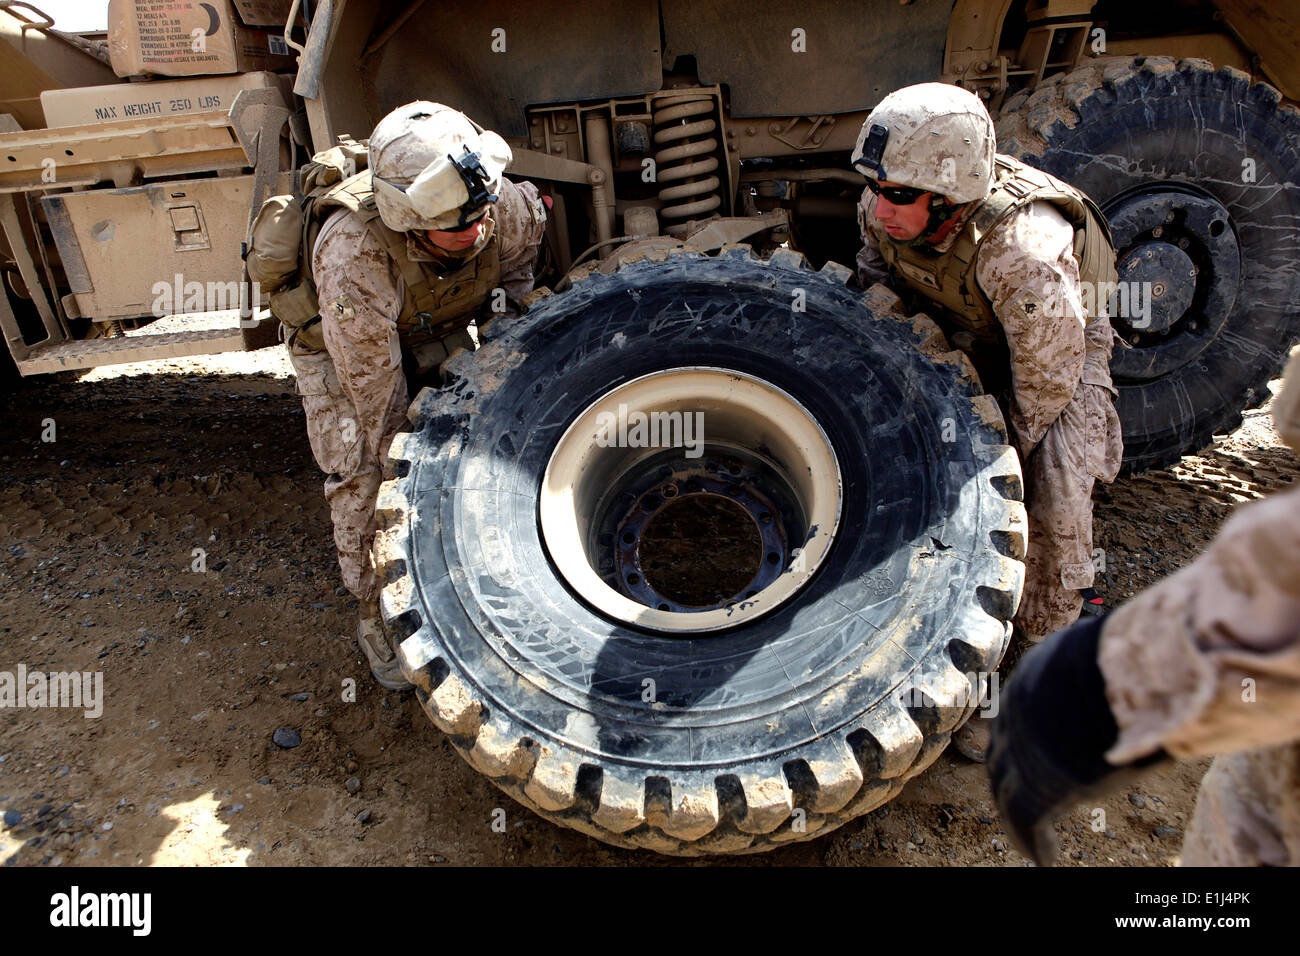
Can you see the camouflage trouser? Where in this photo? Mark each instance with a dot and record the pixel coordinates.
(352, 476)
(1059, 477)
(337, 428)
(1248, 811)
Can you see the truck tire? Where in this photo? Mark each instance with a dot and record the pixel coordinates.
(1197, 172)
(772, 716)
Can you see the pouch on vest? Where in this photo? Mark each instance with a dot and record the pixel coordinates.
(274, 243)
(274, 262)
(277, 257)
(310, 337)
(334, 165)
(295, 306)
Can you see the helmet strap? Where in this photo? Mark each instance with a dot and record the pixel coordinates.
(940, 212)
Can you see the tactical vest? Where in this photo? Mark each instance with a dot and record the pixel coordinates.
(435, 305)
(948, 279)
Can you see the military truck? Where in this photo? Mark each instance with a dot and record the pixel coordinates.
(712, 550)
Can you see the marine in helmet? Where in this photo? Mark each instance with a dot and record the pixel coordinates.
(429, 238)
(1002, 255)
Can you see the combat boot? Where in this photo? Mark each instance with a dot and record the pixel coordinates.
(379, 648)
(1093, 601)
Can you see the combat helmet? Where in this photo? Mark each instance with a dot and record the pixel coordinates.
(931, 136)
(434, 168)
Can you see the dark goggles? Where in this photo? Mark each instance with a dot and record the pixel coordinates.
(897, 195)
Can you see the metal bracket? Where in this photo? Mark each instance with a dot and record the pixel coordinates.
(27, 25)
(258, 116)
(819, 127)
(12, 230)
(719, 232)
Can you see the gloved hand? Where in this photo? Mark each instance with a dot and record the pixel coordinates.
(1053, 726)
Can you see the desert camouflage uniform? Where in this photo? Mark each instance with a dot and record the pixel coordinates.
(1208, 662)
(1062, 415)
(355, 393)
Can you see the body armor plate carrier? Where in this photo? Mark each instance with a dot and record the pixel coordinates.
(948, 279)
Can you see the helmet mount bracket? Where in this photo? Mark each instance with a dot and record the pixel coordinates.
(873, 149)
(470, 167)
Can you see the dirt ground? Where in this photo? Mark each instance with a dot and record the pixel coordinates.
(98, 531)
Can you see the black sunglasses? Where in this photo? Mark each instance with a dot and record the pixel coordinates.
(897, 195)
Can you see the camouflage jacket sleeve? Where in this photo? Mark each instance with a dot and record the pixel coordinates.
(360, 295)
(1208, 660)
(521, 219)
(1027, 269)
(871, 265)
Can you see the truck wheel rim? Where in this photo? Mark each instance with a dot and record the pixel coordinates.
(1178, 246)
(700, 437)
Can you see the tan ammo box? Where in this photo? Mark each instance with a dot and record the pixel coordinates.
(193, 38)
(123, 101)
(119, 245)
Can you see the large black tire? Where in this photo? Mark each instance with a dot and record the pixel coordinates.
(1151, 137)
(768, 733)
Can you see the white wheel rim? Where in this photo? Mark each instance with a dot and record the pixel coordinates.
(733, 411)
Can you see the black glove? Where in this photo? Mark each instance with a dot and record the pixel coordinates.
(1052, 729)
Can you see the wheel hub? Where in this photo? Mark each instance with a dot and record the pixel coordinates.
(688, 503)
(1179, 269)
(699, 534)
(1168, 277)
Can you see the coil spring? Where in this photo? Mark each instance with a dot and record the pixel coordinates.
(683, 168)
